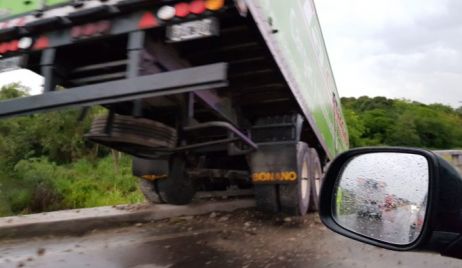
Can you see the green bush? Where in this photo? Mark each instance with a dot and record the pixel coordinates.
(382, 121)
(40, 185)
(46, 164)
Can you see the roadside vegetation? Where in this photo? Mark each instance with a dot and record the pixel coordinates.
(45, 164)
(382, 121)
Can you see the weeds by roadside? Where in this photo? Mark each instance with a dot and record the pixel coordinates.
(38, 185)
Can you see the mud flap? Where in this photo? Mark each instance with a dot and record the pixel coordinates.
(271, 166)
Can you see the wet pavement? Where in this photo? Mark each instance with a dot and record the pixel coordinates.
(240, 239)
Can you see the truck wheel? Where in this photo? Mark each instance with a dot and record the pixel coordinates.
(149, 190)
(142, 167)
(178, 188)
(316, 177)
(294, 198)
(266, 198)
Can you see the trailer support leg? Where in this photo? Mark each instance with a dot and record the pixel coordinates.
(135, 47)
(47, 69)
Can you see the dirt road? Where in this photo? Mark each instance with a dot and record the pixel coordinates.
(240, 239)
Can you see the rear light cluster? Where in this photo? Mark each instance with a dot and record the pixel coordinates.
(10, 46)
(183, 9)
(149, 20)
(91, 29)
(16, 45)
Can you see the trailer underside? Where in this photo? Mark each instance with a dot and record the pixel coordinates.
(220, 98)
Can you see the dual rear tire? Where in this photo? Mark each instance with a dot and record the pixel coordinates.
(294, 199)
(297, 198)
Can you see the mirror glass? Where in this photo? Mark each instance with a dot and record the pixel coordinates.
(383, 196)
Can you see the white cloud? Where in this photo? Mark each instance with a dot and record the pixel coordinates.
(402, 49)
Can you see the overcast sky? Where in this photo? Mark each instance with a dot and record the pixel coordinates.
(395, 48)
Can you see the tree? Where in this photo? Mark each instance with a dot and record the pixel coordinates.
(459, 110)
(403, 123)
(355, 127)
(404, 132)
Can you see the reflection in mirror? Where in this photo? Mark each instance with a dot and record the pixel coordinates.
(383, 196)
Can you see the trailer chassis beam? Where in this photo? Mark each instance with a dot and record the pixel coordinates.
(192, 79)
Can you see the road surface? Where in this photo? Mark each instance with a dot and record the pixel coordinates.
(240, 239)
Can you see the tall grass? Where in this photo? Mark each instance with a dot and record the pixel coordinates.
(38, 185)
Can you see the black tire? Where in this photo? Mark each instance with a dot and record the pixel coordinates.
(135, 136)
(178, 188)
(294, 198)
(149, 190)
(266, 198)
(316, 177)
(142, 167)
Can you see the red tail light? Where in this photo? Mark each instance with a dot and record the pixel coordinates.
(147, 21)
(182, 10)
(13, 46)
(197, 7)
(89, 29)
(3, 48)
(41, 43)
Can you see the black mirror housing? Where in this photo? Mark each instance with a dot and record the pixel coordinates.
(442, 227)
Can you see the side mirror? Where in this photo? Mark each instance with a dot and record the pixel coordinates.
(395, 198)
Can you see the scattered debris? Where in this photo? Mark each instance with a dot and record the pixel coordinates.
(41, 251)
(224, 218)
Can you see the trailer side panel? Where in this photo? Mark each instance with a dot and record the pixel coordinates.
(293, 33)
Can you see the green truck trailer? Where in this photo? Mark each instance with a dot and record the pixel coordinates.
(210, 97)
